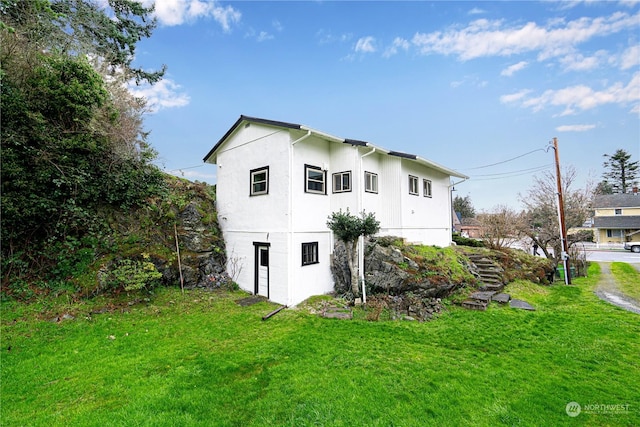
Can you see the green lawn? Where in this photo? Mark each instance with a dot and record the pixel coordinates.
(627, 278)
(200, 359)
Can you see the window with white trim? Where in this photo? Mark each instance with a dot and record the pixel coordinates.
(342, 182)
(614, 233)
(370, 182)
(310, 253)
(314, 180)
(260, 181)
(617, 211)
(426, 187)
(413, 185)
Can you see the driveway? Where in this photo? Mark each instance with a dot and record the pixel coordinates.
(607, 290)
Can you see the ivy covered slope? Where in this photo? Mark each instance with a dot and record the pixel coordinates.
(130, 249)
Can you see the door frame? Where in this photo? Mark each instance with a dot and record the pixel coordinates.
(256, 265)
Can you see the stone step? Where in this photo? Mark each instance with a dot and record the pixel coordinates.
(501, 298)
(482, 296)
(492, 279)
(491, 287)
(474, 305)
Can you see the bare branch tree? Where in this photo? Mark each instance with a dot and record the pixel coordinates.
(501, 227)
(540, 220)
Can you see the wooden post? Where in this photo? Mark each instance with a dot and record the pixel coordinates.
(563, 228)
(175, 232)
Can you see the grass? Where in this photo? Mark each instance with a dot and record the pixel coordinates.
(199, 359)
(627, 278)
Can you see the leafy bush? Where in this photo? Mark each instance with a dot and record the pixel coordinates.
(465, 241)
(131, 275)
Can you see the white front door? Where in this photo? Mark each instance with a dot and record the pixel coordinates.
(262, 269)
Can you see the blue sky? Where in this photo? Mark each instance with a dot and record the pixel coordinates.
(465, 84)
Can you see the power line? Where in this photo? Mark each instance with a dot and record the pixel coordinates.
(528, 172)
(541, 167)
(505, 161)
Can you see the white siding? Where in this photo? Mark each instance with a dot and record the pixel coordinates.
(288, 216)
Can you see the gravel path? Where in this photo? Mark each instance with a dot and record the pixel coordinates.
(607, 290)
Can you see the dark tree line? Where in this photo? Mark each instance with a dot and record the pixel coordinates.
(72, 136)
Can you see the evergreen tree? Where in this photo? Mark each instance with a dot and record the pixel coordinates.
(620, 172)
(464, 207)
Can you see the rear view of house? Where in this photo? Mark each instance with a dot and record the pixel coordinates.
(277, 183)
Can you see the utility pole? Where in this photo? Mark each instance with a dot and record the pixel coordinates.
(563, 228)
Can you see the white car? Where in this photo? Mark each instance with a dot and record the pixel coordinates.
(632, 246)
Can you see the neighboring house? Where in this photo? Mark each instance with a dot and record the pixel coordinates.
(278, 182)
(617, 218)
(470, 227)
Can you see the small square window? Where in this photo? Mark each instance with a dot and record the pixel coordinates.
(310, 253)
(413, 185)
(370, 182)
(260, 181)
(341, 182)
(426, 187)
(314, 180)
(618, 212)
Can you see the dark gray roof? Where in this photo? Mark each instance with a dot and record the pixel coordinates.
(354, 142)
(250, 119)
(619, 221)
(628, 200)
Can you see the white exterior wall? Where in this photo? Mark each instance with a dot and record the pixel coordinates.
(309, 215)
(245, 219)
(426, 220)
(287, 216)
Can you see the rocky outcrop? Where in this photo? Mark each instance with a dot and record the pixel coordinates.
(202, 253)
(389, 271)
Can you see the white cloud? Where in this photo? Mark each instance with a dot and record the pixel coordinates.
(512, 69)
(476, 11)
(398, 43)
(366, 44)
(515, 97)
(484, 38)
(630, 58)
(579, 62)
(581, 97)
(177, 12)
(263, 36)
(161, 95)
(326, 37)
(277, 25)
(575, 128)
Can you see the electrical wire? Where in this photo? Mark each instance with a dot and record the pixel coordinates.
(505, 161)
(540, 169)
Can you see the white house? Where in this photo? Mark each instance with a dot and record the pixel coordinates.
(278, 182)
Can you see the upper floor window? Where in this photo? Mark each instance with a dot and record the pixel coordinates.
(413, 185)
(260, 181)
(426, 187)
(310, 253)
(314, 180)
(341, 182)
(618, 211)
(370, 182)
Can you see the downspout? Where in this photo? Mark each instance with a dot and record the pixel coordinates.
(361, 238)
(290, 228)
(451, 200)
